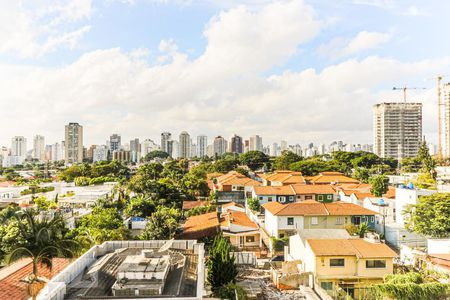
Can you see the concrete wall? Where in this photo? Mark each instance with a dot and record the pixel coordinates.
(438, 246)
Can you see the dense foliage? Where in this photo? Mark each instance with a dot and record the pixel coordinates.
(379, 185)
(410, 286)
(430, 216)
(220, 264)
(162, 224)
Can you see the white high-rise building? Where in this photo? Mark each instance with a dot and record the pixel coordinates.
(397, 129)
(115, 142)
(202, 145)
(220, 146)
(57, 152)
(74, 143)
(19, 146)
(283, 146)
(175, 149)
(39, 147)
(147, 146)
(185, 145)
(273, 150)
(135, 150)
(166, 137)
(100, 153)
(256, 143)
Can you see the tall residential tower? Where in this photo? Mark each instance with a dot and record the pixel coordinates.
(74, 143)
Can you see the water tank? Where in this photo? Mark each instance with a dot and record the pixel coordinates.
(410, 186)
(402, 186)
(381, 202)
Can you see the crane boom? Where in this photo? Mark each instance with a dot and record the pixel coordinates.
(406, 88)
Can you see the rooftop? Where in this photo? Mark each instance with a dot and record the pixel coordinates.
(314, 208)
(331, 177)
(350, 247)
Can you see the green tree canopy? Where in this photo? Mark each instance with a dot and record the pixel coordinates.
(162, 224)
(140, 206)
(430, 216)
(156, 154)
(255, 160)
(221, 264)
(285, 160)
(380, 185)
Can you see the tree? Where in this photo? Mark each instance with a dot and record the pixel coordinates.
(253, 204)
(43, 203)
(430, 216)
(221, 264)
(42, 240)
(285, 160)
(361, 174)
(425, 181)
(156, 154)
(140, 206)
(427, 162)
(380, 185)
(162, 224)
(255, 160)
(410, 286)
(311, 167)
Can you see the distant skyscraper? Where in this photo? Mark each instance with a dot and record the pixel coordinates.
(73, 143)
(135, 150)
(273, 150)
(397, 129)
(174, 148)
(19, 146)
(283, 146)
(256, 143)
(147, 146)
(115, 142)
(246, 146)
(39, 147)
(220, 145)
(202, 144)
(184, 145)
(165, 138)
(236, 144)
(100, 153)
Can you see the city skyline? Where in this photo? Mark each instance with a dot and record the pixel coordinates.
(220, 70)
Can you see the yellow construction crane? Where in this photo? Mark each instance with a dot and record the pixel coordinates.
(439, 78)
(406, 88)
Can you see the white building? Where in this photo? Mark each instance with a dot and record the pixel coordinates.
(100, 153)
(12, 160)
(39, 147)
(73, 143)
(184, 145)
(148, 146)
(220, 145)
(202, 144)
(405, 196)
(397, 129)
(256, 143)
(19, 146)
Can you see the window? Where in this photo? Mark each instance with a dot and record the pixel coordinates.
(249, 239)
(308, 197)
(339, 221)
(260, 198)
(314, 221)
(282, 199)
(329, 197)
(372, 264)
(281, 235)
(337, 262)
(372, 219)
(269, 199)
(291, 198)
(319, 197)
(290, 221)
(328, 286)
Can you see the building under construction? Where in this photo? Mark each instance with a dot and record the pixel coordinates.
(397, 129)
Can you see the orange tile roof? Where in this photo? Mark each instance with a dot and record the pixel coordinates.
(191, 204)
(331, 177)
(11, 285)
(351, 247)
(238, 218)
(274, 190)
(201, 226)
(362, 191)
(232, 203)
(210, 176)
(346, 209)
(285, 177)
(236, 178)
(314, 208)
(301, 189)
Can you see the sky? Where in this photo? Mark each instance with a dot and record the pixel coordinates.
(295, 70)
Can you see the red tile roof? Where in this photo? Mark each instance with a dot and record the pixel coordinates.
(351, 247)
(331, 177)
(11, 285)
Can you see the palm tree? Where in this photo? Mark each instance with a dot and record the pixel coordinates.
(43, 240)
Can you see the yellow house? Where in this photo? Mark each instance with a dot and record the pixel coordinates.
(345, 266)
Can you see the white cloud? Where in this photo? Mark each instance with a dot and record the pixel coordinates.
(364, 40)
(37, 29)
(221, 92)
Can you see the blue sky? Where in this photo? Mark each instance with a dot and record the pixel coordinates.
(294, 70)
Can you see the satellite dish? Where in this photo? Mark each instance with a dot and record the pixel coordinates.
(167, 245)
